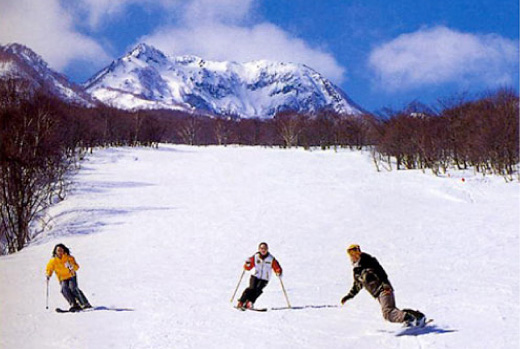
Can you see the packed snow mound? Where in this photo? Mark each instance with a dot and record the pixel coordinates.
(161, 237)
(147, 78)
(20, 63)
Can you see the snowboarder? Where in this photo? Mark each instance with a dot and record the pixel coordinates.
(369, 274)
(65, 267)
(264, 263)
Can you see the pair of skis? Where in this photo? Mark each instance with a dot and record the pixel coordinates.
(252, 309)
(260, 309)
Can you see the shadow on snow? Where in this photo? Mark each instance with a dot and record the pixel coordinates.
(419, 331)
(307, 307)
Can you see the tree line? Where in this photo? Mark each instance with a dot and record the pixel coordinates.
(482, 134)
(43, 139)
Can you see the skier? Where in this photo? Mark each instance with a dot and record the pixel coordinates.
(65, 267)
(264, 263)
(369, 274)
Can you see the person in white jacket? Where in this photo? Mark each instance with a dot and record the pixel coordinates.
(264, 263)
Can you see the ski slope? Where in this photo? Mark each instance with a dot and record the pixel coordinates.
(161, 236)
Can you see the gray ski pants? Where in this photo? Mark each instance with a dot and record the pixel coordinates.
(72, 293)
(390, 312)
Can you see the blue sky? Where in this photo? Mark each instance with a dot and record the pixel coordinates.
(381, 53)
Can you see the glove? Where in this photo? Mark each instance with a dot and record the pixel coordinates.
(47, 277)
(345, 299)
(387, 289)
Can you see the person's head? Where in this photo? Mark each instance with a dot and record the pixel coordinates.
(263, 248)
(60, 250)
(354, 252)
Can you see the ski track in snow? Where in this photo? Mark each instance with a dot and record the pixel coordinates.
(161, 236)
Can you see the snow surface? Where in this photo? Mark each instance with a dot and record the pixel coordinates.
(161, 236)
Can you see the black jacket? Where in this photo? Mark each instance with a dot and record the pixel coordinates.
(368, 273)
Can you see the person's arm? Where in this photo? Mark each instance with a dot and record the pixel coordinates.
(71, 265)
(73, 262)
(277, 267)
(354, 290)
(250, 263)
(50, 268)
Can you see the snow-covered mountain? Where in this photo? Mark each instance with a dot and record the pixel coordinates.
(146, 78)
(21, 63)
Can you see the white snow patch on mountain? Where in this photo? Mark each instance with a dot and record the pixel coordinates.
(147, 78)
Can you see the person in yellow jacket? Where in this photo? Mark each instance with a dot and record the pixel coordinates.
(65, 267)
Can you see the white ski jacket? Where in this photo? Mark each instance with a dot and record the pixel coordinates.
(263, 267)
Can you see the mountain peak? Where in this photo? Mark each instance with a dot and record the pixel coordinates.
(147, 52)
(25, 53)
(22, 63)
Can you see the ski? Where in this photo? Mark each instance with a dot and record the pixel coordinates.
(252, 309)
(62, 311)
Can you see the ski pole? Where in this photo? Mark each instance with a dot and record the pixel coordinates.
(284, 292)
(236, 289)
(47, 298)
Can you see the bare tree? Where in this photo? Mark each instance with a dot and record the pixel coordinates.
(31, 163)
(189, 129)
(289, 125)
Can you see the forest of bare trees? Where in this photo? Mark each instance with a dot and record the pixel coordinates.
(482, 134)
(42, 141)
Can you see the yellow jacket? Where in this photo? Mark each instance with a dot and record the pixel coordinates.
(65, 267)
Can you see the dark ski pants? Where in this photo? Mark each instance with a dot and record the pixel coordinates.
(254, 290)
(72, 293)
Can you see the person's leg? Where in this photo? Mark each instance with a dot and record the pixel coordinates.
(248, 292)
(258, 290)
(390, 312)
(67, 293)
(78, 294)
(83, 300)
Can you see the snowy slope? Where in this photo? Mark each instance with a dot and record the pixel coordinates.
(20, 62)
(148, 79)
(161, 236)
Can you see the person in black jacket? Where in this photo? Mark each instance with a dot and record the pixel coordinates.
(369, 274)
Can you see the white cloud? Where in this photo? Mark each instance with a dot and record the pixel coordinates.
(212, 29)
(45, 27)
(241, 44)
(441, 55)
(219, 30)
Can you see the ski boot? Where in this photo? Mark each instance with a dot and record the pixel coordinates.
(86, 306)
(75, 308)
(241, 306)
(414, 318)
